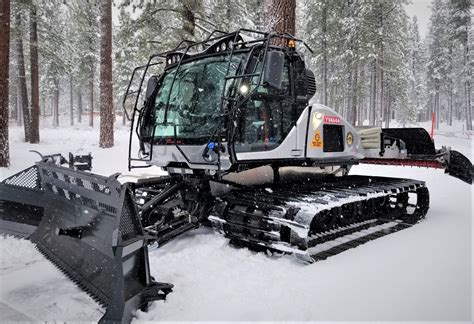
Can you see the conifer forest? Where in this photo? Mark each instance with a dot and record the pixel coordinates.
(370, 61)
(236, 160)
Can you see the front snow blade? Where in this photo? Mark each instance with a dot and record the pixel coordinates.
(89, 228)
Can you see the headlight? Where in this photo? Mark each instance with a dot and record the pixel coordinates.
(223, 46)
(230, 44)
(169, 60)
(244, 89)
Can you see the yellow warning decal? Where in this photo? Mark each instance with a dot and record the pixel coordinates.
(317, 140)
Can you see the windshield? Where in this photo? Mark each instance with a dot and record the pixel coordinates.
(194, 103)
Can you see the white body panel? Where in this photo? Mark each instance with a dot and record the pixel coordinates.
(297, 145)
(317, 120)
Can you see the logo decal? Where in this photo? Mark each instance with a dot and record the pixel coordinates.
(317, 141)
(332, 120)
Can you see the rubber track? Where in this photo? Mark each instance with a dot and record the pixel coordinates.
(323, 255)
(248, 216)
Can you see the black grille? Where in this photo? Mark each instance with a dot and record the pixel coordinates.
(27, 178)
(333, 138)
(128, 222)
(310, 83)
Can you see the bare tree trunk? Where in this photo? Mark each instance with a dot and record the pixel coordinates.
(450, 105)
(43, 105)
(280, 17)
(373, 94)
(15, 104)
(56, 103)
(13, 90)
(91, 97)
(380, 97)
(325, 54)
(51, 104)
(71, 102)
(468, 86)
(361, 108)
(4, 73)
(22, 77)
(35, 110)
(79, 105)
(348, 100)
(450, 89)
(189, 19)
(436, 105)
(19, 116)
(388, 112)
(353, 109)
(380, 68)
(106, 98)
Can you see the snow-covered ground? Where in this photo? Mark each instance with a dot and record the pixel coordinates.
(423, 273)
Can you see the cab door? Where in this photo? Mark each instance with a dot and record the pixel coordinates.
(266, 127)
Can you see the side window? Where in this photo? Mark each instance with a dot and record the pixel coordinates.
(194, 99)
(265, 119)
(160, 104)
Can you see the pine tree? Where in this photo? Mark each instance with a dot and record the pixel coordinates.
(460, 15)
(417, 62)
(4, 74)
(360, 50)
(85, 44)
(55, 50)
(439, 60)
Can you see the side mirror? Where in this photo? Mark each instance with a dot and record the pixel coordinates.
(273, 71)
(151, 86)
